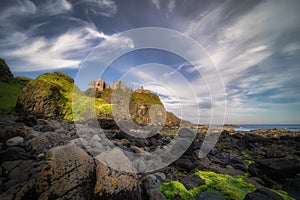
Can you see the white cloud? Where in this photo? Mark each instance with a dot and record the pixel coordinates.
(106, 8)
(171, 5)
(239, 46)
(156, 3)
(56, 7)
(23, 7)
(64, 51)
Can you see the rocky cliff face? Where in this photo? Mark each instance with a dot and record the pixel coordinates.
(5, 73)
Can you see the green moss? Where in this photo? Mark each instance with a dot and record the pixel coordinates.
(230, 187)
(249, 162)
(284, 194)
(173, 188)
(8, 97)
(246, 155)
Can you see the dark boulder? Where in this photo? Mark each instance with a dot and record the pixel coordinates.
(184, 163)
(277, 169)
(292, 187)
(263, 194)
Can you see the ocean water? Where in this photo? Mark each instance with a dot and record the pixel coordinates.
(248, 127)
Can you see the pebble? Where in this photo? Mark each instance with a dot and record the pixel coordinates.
(15, 141)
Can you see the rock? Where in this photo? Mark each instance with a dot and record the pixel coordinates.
(277, 169)
(190, 182)
(292, 187)
(136, 149)
(273, 153)
(46, 96)
(47, 140)
(149, 182)
(67, 174)
(9, 165)
(184, 163)
(238, 164)
(15, 141)
(155, 194)
(29, 121)
(229, 170)
(263, 194)
(17, 172)
(5, 73)
(112, 184)
(11, 153)
(209, 196)
(256, 181)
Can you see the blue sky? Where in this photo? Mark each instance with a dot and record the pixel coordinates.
(255, 45)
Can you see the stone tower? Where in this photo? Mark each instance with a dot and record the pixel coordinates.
(100, 85)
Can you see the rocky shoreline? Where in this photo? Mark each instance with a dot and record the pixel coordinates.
(45, 159)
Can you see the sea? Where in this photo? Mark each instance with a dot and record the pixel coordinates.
(249, 127)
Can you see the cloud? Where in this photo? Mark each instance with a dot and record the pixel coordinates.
(156, 3)
(171, 5)
(56, 7)
(64, 51)
(106, 8)
(249, 51)
(19, 8)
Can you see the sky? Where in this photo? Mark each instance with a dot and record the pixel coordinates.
(250, 51)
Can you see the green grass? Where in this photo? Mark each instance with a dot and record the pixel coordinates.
(85, 107)
(148, 98)
(8, 97)
(83, 103)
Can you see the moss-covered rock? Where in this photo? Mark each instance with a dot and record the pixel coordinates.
(231, 188)
(48, 96)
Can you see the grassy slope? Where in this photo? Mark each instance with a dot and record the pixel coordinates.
(65, 84)
(9, 93)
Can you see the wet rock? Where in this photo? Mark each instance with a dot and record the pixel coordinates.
(276, 168)
(229, 170)
(190, 182)
(11, 153)
(273, 153)
(15, 141)
(292, 187)
(155, 194)
(29, 121)
(263, 194)
(256, 181)
(112, 184)
(17, 172)
(238, 164)
(67, 174)
(209, 196)
(150, 182)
